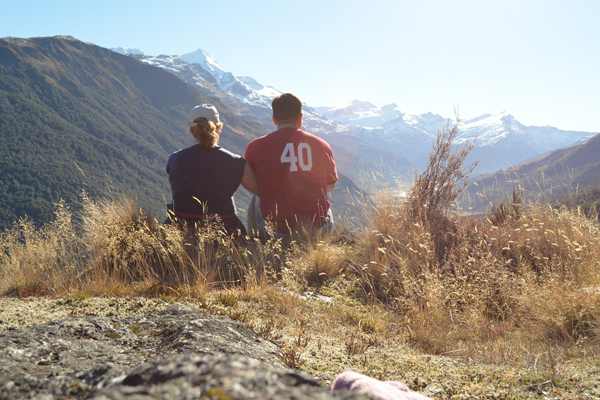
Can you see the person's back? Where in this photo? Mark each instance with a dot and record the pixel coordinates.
(203, 180)
(204, 177)
(294, 169)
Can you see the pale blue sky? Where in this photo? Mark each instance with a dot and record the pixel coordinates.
(536, 59)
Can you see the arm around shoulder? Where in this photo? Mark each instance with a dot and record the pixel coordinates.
(249, 179)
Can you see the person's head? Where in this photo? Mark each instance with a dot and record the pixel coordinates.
(287, 108)
(205, 125)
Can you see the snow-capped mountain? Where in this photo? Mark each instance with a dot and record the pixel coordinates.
(501, 139)
(246, 89)
(178, 66)
(242, 94)
(493, 128)
(245, 96)
(205, 61)
(127, 50)
(360, 113)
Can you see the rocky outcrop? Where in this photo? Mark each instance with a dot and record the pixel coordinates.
(177, 353)
(230, 377)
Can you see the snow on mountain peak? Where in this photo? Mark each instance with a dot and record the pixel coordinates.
(170, 63)
(358, 105)
(366, 115)
(263, 90)
(387, 127)
(414, 124)
(126, 50)
(250, 82)
(206, 61)
(389, 107)
(360, 113)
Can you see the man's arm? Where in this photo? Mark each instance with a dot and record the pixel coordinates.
(249, 179)
(332, 174)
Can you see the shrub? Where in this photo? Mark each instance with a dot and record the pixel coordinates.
(502, 212)
(118, 248)
(458, 280)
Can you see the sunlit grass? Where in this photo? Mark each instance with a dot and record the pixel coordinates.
(518, 287)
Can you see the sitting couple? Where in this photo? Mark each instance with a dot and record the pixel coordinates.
(289, 171)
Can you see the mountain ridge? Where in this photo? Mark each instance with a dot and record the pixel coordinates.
(77, 116)
(410, 134)
(501, 140)
(555, 175)
(355, 156)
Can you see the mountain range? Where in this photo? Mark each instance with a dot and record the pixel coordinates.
(363, 132)
(77, 116)
(500, 140)
(355, 156)
(558, 175)
(389, 133)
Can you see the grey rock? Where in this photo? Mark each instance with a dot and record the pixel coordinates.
(230, 377)
(180, 353)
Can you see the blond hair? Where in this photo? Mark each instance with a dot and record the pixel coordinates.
(205, 132)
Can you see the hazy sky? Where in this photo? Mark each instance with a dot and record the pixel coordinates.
(536, 59)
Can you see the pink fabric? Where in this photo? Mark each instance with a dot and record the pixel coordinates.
(387, 390)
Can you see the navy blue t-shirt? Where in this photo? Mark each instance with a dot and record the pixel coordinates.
(210, 175)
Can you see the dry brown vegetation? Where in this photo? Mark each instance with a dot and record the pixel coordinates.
(516, 289)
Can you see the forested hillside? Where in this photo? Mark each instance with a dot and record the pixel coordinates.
(77, 116)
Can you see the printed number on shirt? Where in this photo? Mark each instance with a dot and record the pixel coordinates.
(304, 158)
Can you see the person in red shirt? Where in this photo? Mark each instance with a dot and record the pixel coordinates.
(294, 170)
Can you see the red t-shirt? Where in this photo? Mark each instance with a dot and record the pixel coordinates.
(293, 169)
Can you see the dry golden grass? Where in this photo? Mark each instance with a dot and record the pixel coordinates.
(117, 249)
(517, 289)
(522, 281)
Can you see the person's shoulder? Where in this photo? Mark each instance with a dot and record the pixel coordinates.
(226, 152)
(180, 151)
(263, 137)
(315, 138)
(309, 134)
(175, 154)
(184, 151)
(260, 141)
(253, 142)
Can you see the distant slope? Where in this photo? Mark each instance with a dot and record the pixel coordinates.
(555, 174)
(587, 200)
(77, 116)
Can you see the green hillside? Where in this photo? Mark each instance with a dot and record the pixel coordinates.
(77, 116)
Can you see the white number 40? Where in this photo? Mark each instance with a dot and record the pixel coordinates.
(289, 156)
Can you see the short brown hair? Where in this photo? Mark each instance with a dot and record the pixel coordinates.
(286, 108)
